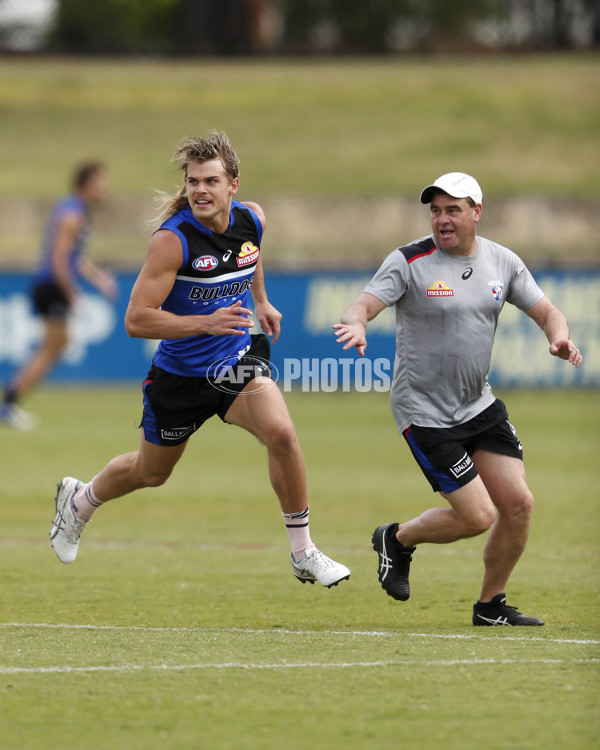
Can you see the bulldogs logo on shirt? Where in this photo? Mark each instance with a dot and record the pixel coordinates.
(496, 288)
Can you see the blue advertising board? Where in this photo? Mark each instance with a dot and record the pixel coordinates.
(99, 348)
(307, 354)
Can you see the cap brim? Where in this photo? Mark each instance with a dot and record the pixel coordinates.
(427, 193)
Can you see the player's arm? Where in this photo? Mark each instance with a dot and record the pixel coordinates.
(352, 331)
(64, 246)
(145, 318)
(554, 324)
(258, 211)
(267, 315)
(103, 280)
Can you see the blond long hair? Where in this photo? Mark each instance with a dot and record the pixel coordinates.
(216, 146)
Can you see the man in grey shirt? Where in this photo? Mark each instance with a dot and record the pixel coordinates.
(448, 290)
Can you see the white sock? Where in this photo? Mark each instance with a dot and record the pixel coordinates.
(296, 525)
(85, 502)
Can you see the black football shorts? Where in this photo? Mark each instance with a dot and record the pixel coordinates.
(49, 300)
(444, 453)
(175, 406)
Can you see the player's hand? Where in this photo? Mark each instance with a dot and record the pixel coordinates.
(107, 285)
(350, 335)
(566, 350)
(269, 318)
(228, 321)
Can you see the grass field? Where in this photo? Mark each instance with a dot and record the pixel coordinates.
(310, 132)
(181, 626)
(351, 127)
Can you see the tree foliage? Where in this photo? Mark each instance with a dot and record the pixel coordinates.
(115, 26)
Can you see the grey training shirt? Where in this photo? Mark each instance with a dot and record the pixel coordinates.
(447, 309)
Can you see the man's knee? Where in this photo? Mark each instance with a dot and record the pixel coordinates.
(156, 478)
(282, 437)
(153, 474)
(473, 508)
(479, 520)
(520, 506)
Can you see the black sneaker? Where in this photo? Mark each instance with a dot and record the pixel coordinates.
(394, 561)
(497, 612)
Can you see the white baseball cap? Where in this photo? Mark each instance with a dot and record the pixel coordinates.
(457, 185)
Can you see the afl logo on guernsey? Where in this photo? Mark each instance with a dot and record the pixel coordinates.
(205, 263)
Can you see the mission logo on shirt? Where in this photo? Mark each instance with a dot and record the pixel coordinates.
(248, 254)
(440, 289)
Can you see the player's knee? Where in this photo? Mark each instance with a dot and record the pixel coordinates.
(480, 520)
(156, 478)
(521, 506)
(282, 437)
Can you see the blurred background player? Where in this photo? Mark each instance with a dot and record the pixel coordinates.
(192, 293)
(56, 284)
(448, 290)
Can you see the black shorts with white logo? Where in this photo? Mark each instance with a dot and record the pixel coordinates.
(175, 406)
(444, 453)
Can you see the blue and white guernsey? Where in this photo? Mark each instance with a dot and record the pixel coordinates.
(217, 271)
(73, 204)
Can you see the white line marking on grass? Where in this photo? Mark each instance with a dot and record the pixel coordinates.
(152, 544)
(486, 634)
(505, 638)
(300, 665)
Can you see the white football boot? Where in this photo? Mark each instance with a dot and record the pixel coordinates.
(13, 415)
(66, 527)
(318, 567)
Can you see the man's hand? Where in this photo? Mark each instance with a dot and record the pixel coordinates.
(107, 285)
(566, 350)
(269, 318)
(351, 334)
(352, 331)
(227, 321)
